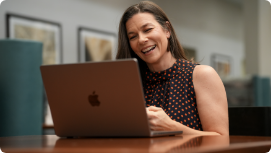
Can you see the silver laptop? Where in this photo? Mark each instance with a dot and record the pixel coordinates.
(98, 99)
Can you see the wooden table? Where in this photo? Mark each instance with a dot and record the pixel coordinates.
(182, 143)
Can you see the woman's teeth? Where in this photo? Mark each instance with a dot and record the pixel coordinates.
(148, 49)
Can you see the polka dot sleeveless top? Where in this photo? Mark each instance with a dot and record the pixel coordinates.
(173, 91)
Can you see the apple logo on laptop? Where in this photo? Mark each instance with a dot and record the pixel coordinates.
(93, 99)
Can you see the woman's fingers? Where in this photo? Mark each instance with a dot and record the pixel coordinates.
(157, 128)
(158, 119)
(153, 108)
(151, 114)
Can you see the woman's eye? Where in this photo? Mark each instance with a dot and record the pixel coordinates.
(132, 37)
(148, 30)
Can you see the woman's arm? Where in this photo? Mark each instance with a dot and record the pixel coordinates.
(211, 104)
(211, 100)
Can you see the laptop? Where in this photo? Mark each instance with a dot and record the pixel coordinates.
(98, 99)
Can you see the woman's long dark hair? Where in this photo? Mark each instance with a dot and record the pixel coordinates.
(124, 48)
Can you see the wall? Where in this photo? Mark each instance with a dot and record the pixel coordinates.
(264, 38)
(208, 26)
(257, 37)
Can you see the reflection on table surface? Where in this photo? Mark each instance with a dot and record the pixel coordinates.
(181, 143)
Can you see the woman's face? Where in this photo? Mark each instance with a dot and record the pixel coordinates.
(147, 38)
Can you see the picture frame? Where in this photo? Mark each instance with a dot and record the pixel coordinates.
(29, 28)
(47, 32)
(95, 45)
(222, 64)
(191, 54)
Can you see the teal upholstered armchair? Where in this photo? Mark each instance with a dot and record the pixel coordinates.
(21, 89)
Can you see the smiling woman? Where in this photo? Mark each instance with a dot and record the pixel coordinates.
(179, 94)
(149, 41)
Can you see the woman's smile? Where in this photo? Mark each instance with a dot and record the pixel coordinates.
(147, 50)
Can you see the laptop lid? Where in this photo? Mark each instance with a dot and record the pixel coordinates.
(96, 99)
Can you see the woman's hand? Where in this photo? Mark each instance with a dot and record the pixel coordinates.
(159, 120)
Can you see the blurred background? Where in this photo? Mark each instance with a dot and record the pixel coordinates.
(232, 36)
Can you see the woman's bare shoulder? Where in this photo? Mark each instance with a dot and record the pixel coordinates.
(202, 72)
(207, 81)
(205, 77)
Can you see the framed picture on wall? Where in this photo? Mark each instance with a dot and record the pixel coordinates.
(95, 45)
(191, 54)
(222, 64)
(47, 32)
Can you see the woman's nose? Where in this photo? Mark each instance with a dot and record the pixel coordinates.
(142, 39)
